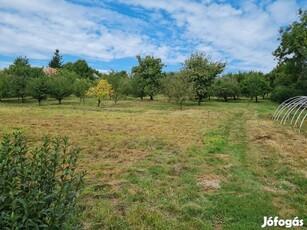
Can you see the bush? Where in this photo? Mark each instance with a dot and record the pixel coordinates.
(282, 93)
(38, 187)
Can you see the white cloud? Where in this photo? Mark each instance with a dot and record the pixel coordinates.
(244, 35)
(248, 34)
(282, 11)
(37, 28)
(4, 64)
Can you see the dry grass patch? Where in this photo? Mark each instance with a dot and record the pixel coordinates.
(286, 143)
(209, 182)
(281, 157)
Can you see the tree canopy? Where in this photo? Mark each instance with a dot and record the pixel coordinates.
(102, 89)
(56, 61)
(120, 84)
(226, 86)
(81, 68)
(254, 85)
(292, 55)
(39, 88)
(202, 71)
(80, 88)
(20, 72)
(61, 84)
(147, 75)
(178, 88)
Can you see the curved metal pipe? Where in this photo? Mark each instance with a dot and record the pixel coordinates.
(293, 108)
(283, 104)
(299, 117)
(302, 122)
(298, 109)
(287, 106)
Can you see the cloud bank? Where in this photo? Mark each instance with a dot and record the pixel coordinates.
(243, 33)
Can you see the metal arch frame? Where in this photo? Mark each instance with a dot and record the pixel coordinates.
(298, 105)
(292, 108)
(282, 104)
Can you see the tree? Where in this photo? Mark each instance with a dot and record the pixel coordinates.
(39, 88)
(179, 88)
(36, 72)
(61, 84)
(239, 77)
(119, 82)
(4, 85)
(254, 85)
(81, 68)
(102, 89)
(80, 88)
(138, 86)
(165, 85)
(20, 72)
(292, 53)
(56, 61)
(226, 86)
(282, 93)
(202, 71)
(147, 75)
(125, 87)
(2, 89)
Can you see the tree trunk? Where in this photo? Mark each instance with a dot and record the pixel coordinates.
(99, 101)
(256, 98)
(141, 98)
(39, 102)
(199, 100)
(151, 97)
(225, 98)
(60, 101)
(23, 99)
(234, 97)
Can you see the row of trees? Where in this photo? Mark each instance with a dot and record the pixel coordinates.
(198, 80)
(21, 80)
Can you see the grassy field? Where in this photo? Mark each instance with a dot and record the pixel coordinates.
(151, 165)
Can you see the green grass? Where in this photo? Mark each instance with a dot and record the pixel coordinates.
(153, 166)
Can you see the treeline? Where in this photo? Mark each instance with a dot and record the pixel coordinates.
(21, 80)
(289, 77)
(199, 78)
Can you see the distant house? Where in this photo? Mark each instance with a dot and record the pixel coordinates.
(95, 75)
(50, 71)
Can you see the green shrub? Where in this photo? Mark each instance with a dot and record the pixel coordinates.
(38, 187)
(282, 93)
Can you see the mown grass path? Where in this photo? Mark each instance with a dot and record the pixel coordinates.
(257, 180)
(241, 202)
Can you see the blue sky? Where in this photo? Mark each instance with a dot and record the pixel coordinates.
(109, 34)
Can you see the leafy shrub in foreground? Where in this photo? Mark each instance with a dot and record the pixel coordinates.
(38, 187)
